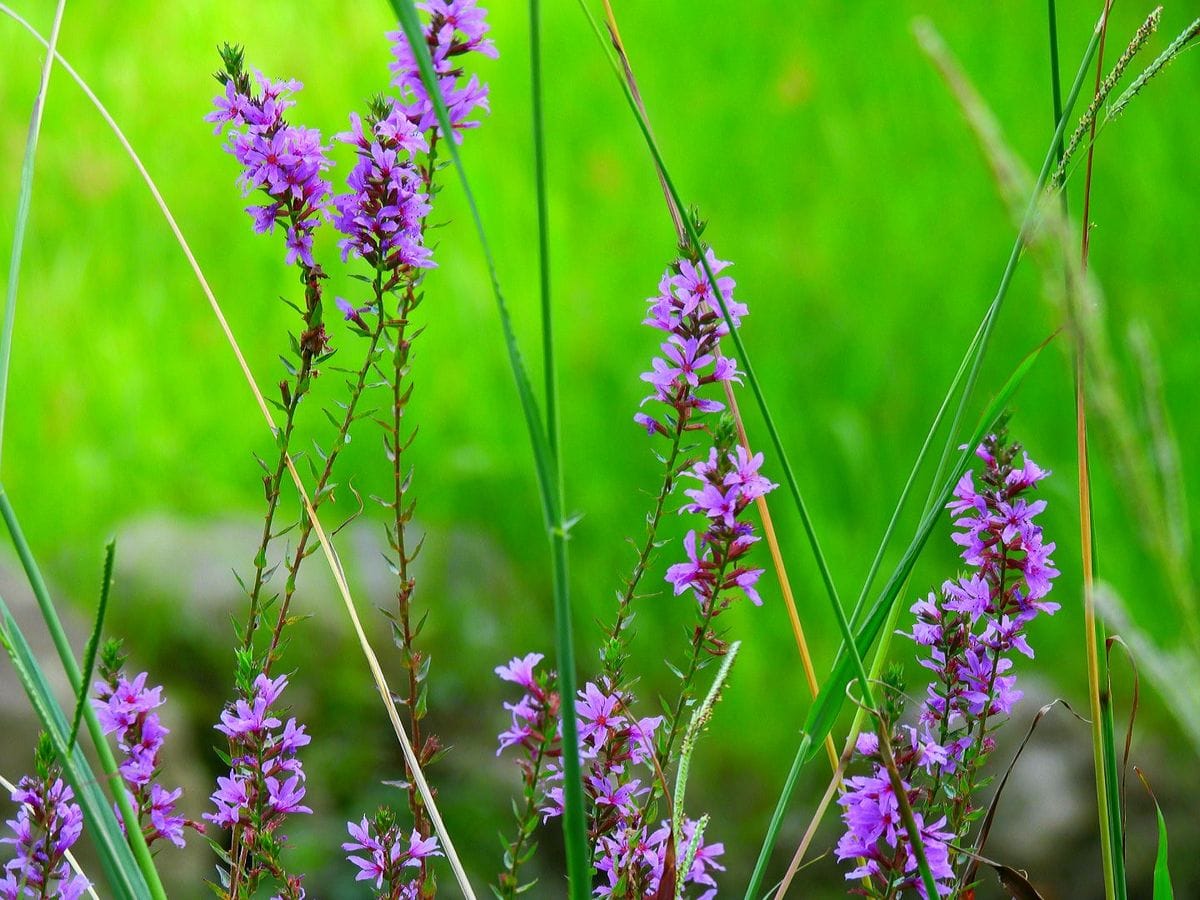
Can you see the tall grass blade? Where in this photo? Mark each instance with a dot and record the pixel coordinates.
(549, 478)
(21, 222)
(121, 871)
(327, 549)
(58, 635)
(93, 643)
(744, 360)
(761, 503)
(1162, 871)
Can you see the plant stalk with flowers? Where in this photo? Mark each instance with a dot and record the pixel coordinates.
(384, 220)
(47, 825)
(631, 854)
(127, 708)
(285, 162)
(969, 635)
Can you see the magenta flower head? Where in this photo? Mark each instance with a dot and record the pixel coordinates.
(966, 637)
(385, 857)
(382, 216)
(283, 161)
(47, 824)
(128, 709)
(266, 782)
(454, 30)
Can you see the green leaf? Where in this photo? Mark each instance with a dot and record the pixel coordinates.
(89, 653)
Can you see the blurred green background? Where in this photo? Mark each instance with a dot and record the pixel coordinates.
(838, 175)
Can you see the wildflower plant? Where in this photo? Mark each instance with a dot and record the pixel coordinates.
(47, 824)
(590, 758)
(126, 708)
(967, 636)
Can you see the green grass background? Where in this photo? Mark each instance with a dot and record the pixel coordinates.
(834, 170)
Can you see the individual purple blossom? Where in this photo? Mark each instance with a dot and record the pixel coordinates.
(455, 28)
(47, 824)
(282, 160)
(127, 708)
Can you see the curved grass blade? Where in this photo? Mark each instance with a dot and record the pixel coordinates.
(549, 479)
(121, 871)
(761, 503)
(21, 222)
(327, 548)
(1162, 872)
(743, 355)
(93, 644)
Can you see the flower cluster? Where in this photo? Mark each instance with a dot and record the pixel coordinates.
(382, 215)
(47, 825)
(284, 161)
(455, 28)
(629, 852)
(729, 482)
(876, 835)
(126, 708)
(969, 634)
(265, 783)
(686, 309)
(389, 856)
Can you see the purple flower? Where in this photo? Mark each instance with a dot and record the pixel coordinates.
(284, 161)
(383, 215)
(598, 716)
(126, 708)
(47, 825)
(967, 638)
(381, 854)
(455, 28)
(520, 670)
(265, 782)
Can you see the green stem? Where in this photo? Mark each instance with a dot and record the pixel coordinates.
(24, 201)
(306, 527)
(614, 651)
(58, 635)
(543, 215)
(549, 477)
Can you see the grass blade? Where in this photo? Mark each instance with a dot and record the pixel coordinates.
(93, 644)
(108, 763)
(761, 503)
(120, 868)
(21, 222)
(549, 478)
(1162, 872)
(743, 355)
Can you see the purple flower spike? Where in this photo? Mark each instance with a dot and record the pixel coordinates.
(47, 825)
(967, 638)
(127, 708)
(265, 783)
(283, 161)
(455, 29)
